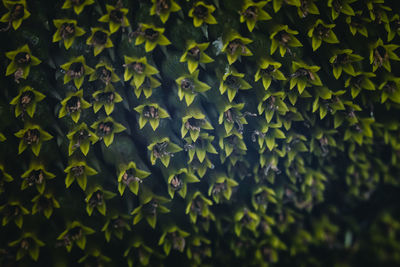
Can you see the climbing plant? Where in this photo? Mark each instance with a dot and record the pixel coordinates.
(199, 133)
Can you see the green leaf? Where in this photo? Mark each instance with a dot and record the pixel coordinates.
(337, 71)
(316, 43)
(89, 210)
(165, 160)
(134, 188)
(108, 139)
(121, 188)
(346, 9)
(301, 85)
(102, 209)
(82, 182)
(152, 220)
(69, 180)
(270, 140)
(81, 242)
(85, 147)
(18, 221)
(154, 123)
(201, 154)
(368, 84)
(47, 212)
(20, 254)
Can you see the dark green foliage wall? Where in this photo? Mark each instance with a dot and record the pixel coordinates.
(199, 133)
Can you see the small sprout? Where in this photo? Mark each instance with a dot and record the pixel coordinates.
(360, 81)
(201, 13)
(189, 86)
(232, 82)
(130, 176)
(78, 170)
(13, 211)
(342, 61)
(284, 38)
(67, 31)
(173, 238)
(253, 12)
(116, 224)
(96, 199)
(151, 36)
(195, 54)
(28, 243)
(221, 188)
(307, 7)
(107, 98)
(235, 46)
(36, 175)
(200, 147)
(81, 137)
(44, 203)
(357, 23)
(76, 70)
(304, 76)
(198, 205)
(99, 39)
(163, 8)
(115, 17)
(26, 100)
(269, 71)
(380, 55)
(151, 206)
(76, 233)
(21, 62)
(341, 6)
(33, 136)
(106, 129)
(105, 73)
(163, 149)
(245, 218)
(17, 12)
(73, 105)
(151, 113)
(321, 31)
(178, 181)
(139, 69)
(77, 5)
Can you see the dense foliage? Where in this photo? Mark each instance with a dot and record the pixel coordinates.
(198, 133)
